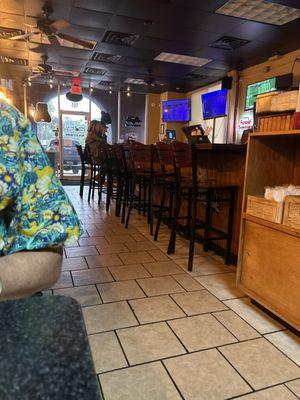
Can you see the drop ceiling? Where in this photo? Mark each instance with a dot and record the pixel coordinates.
(180, 27)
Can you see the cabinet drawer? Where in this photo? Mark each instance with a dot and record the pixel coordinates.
(270, 270)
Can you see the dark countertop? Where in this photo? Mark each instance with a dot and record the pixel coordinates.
(44, 351)
(222, 147)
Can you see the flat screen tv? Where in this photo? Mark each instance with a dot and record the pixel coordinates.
(269, 85)
(176, 110)
(214, 104)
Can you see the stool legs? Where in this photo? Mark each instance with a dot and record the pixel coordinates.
(159, 216)
(172, 241)
(230, 226)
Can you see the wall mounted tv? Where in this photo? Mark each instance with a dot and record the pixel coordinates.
(214, 104)
(269, 85)
(176, 111)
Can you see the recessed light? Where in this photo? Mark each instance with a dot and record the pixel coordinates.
(134, 81)
(181, 59)
(260, 11)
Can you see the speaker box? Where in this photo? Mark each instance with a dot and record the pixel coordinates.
(227, 82)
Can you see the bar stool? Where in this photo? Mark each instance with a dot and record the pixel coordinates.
(85, 165)
(98, 172)
(195, 191)
(140, 163)
(167, 183)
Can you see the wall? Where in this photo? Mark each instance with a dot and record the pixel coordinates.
(197, 115)
(282, 65)
(153, 117)
(133, 106)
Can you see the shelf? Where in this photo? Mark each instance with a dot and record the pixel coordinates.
(276, 133)
(272, 225)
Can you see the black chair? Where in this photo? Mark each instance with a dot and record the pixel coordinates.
(85, 167)
(191, 188)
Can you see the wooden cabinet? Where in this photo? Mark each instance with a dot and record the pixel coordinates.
(269, 253)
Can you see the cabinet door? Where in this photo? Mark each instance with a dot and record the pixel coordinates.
(270, 270)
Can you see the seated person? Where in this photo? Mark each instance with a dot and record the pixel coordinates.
(36, 217)
(97, 135)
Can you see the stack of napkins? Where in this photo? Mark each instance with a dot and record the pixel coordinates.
(278, 193)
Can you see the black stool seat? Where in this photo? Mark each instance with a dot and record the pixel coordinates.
(44, 351)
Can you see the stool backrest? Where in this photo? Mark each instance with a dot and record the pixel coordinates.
(165, 156)
(141, 156)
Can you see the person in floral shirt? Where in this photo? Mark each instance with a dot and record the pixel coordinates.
(35, 212)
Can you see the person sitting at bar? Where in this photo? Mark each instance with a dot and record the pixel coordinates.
(36, 217)
(97, 134)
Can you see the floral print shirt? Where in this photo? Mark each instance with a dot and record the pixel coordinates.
(35, 211)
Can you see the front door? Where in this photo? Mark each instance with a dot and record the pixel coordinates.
(74, 126)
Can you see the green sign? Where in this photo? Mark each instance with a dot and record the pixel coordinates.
(269, 85)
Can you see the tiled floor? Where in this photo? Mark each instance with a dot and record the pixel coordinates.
(158, 332)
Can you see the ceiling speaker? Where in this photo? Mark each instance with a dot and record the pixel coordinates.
(227, 83)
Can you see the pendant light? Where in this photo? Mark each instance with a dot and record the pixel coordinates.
(75, 93)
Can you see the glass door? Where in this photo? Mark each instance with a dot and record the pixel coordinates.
(74, 126)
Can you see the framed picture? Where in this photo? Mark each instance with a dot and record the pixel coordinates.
(162, 129)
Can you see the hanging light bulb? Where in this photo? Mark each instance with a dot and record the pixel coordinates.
(110, 91)
(128, 94)
(128, 88)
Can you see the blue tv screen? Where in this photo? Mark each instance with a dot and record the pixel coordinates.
(176, 111)
(214, 104)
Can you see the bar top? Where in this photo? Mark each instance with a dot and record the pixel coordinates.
(222, 147)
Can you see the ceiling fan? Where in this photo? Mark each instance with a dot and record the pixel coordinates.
(151, 81)
(46, 71)
(52, 29)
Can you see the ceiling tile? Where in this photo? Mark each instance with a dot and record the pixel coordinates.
(89, 18)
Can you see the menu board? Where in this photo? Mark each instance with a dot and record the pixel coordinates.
(269, 85)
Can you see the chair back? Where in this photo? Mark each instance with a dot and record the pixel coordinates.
(80, 153)
(185, 162)
(165, 157)
(141, 156)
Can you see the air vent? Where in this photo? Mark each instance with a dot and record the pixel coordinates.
(94, 71)
(106, 58)
(7, 33)
(196, 77)
(119, 38)
(106, 83)
(13, 61)
(229, 43)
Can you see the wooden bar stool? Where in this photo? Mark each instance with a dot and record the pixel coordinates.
(195, 191)
(85, 166)
(167, 184)
(140, 162)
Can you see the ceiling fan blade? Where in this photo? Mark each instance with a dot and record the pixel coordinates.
(80, 42)
(25, 36)
(53, 40)
(59, 25)
(36, 75)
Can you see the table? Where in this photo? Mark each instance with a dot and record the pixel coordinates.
(44, 351)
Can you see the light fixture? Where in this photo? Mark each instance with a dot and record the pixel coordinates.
(31, 110)
(128, 88)
(110, 91)
(181, 59)
(128, 94)
(29, 81)
(135, 81)
(75, 93)
(260, 11)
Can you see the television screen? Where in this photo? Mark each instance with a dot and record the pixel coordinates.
(171, 134)
(214, 104)
(269, 85)
(176, 110)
